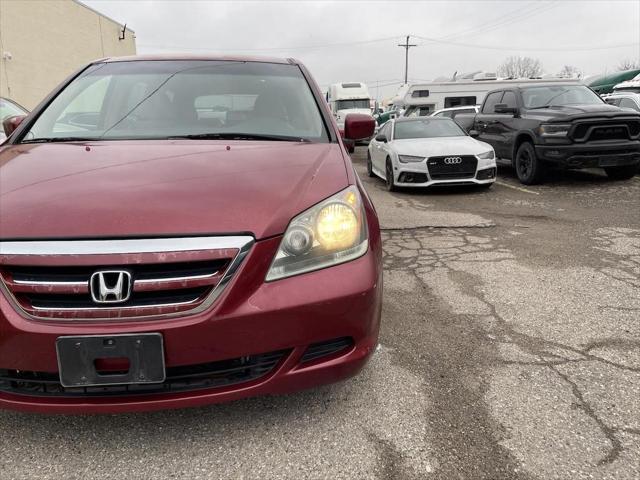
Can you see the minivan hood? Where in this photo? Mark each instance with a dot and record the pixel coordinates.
(152, 188)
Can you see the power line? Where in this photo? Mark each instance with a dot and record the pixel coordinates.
(507, 19)
(524, 49)
(271, 49)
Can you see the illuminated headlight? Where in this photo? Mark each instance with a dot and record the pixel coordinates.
(490, 155)
(554, 129)
(409, 159)
(329, 233)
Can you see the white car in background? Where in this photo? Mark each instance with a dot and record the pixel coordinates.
(628, 100)
(426, 151)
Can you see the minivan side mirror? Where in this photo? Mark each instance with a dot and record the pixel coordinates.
(504, 108)
(474, 133)
(9, 124)
(358, 126)
(381, 138)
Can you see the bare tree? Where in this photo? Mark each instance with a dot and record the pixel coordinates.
(569, 71)
(627, 64)
(520, 67)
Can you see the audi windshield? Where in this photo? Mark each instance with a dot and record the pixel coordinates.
(183, 99)
(427, 128)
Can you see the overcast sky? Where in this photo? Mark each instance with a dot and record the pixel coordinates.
(357, 41)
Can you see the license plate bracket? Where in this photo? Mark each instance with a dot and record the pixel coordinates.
(77, 356)
(613, 161)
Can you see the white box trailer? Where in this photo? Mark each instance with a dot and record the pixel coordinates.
(425, 98)
(348, 97)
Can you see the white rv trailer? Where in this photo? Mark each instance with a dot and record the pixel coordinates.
(348, 97)
(425, 98)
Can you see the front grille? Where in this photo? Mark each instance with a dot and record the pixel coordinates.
(604, 130)
(440, 170)
(179, 379)
(57, 280)
(323, 349)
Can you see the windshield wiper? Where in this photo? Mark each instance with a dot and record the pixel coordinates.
(240, 136)
(62, 139)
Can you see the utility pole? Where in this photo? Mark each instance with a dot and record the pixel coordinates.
(406, 46)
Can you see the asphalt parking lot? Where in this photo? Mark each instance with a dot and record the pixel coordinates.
(510, 348)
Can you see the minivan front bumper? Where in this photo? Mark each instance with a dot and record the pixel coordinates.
(294, 322)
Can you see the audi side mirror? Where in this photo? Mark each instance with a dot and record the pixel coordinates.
(381, 138)
(474, 133)
(504, 108)
(10, 124)
(358, 126)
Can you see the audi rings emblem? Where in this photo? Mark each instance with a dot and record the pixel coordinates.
(452, 160)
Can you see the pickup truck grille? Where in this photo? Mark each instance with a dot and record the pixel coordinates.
(452, 167)
(60, 280)
(604, 130)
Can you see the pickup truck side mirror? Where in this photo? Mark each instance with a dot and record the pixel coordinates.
(504, 108)
(474, 133)
(381, 138)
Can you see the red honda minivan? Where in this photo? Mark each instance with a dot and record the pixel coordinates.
(178, 231)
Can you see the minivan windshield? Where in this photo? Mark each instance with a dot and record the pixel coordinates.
(559, 95)
(183, 99)
(350, 104)
(427, 128)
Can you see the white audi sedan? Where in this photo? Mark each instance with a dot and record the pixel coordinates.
(425, 151)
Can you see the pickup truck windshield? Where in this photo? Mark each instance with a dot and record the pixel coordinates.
(427, 128)
(186, 99)
(349, 104)
(559, 95)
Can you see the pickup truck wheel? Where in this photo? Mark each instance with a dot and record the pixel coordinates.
(370, 165)
(621, 173)
(391, 184)
(529, 168)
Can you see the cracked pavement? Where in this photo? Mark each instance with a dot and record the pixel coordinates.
(509, 349)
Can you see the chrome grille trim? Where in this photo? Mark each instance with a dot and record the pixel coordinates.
(115, 308)
(115, 247)
(57, 248)
(186, 278)
(52, 282)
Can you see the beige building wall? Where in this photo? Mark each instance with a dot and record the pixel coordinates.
(44, 41)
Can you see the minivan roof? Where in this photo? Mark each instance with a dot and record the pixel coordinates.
(182, 56)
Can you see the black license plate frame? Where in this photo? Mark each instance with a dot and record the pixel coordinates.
(77, 355)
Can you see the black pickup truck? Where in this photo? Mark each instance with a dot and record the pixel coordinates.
(536, 128)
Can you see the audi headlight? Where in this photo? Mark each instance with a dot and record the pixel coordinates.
(554, 129)
(329, 233)
(409, 159)
(490, 155)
